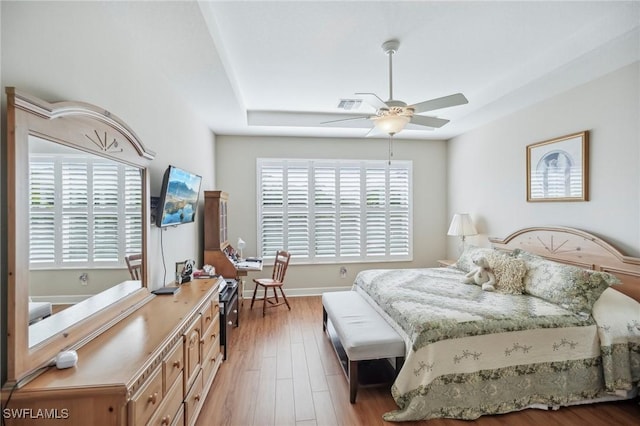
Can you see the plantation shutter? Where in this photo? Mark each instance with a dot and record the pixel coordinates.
(75, 211)
(79, 208)
(334, 210)
(42, 211)
(105, 212)
(132, 211)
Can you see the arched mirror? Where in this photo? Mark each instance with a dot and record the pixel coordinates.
(77, 195)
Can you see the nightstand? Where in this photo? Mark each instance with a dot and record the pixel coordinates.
(446, 262)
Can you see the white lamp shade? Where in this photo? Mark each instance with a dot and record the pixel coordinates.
(391, 124)
(462, 225)
(241, 244)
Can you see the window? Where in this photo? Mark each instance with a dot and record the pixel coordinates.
(83, 212)
(326, 211)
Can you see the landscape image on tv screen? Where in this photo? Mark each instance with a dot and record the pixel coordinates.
(180, 197)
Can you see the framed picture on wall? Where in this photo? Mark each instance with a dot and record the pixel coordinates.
(558, 169)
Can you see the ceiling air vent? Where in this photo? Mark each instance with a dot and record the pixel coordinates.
(349, 104)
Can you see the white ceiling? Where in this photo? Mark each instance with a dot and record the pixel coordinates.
(277, 61)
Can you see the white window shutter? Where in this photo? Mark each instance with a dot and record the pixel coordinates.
(79, 210)
(42, 212)
(132, 211)
(335, 210)
(324, 218)
(75, 211)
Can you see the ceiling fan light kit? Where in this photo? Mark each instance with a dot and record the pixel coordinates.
(391, 124)
(393, 115)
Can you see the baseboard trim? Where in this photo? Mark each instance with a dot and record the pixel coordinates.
(298, 292)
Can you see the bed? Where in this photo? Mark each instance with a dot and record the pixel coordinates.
(573, 337)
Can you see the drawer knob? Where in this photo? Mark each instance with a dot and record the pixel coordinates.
(153, 398)
(213, 335)
(235, 311)
(197, 397)
(176, 364)
(208, 318)
(165, 420)
(230, 323)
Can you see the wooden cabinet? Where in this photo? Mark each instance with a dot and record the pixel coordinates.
(155, 366)
(215, 222)
(217, 250)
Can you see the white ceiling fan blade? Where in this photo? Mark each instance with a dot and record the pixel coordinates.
(375, 132)
(428, 121)
(345, 119)
(372, 99)
(439, 103)
(304, 119)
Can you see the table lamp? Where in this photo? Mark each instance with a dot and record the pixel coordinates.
(241, 246)
(462, 226)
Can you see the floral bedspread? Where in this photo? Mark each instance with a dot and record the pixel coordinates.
(471, 352)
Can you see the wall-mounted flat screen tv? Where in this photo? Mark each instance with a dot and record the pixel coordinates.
(179, 197)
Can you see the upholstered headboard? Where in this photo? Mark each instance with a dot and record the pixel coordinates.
(576, 247)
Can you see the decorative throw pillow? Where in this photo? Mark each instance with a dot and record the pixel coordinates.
(573, 288)
(465, 261)
(509, 272)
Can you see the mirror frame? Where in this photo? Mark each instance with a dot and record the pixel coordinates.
(91, 129)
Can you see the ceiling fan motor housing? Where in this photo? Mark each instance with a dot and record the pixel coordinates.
(391, 46)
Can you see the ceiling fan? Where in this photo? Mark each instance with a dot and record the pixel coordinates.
(393, 115)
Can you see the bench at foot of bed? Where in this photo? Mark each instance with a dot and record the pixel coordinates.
(361, 335)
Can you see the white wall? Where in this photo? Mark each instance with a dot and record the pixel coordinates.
(236, 174)
(76, 51)
(487, 167)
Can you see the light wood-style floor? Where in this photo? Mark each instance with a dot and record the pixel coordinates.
(282, 370)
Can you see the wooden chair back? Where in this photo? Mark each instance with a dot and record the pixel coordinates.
(134, 263)
(280, 265)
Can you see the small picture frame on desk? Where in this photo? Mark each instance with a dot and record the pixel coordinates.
(181, 276)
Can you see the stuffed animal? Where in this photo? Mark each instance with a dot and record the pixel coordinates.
(481, 275)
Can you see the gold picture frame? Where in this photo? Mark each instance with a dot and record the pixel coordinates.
(558, 169)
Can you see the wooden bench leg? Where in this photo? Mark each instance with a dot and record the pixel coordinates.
(353, 381)
(399, 364)
(324, 319)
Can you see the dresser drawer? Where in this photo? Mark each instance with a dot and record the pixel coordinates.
(211, 336)
(210, 311)
(191, 353)
(172, 366)
(178, 420)
(193, 401)
(210, 361)
(172, 402)
(145, 402)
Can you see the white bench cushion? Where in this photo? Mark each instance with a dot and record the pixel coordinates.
(364, 334)
(38, 310)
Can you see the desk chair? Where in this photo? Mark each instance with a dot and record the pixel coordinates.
(134, 263)
(276, 281)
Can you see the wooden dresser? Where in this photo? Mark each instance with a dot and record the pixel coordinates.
(153, 367)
